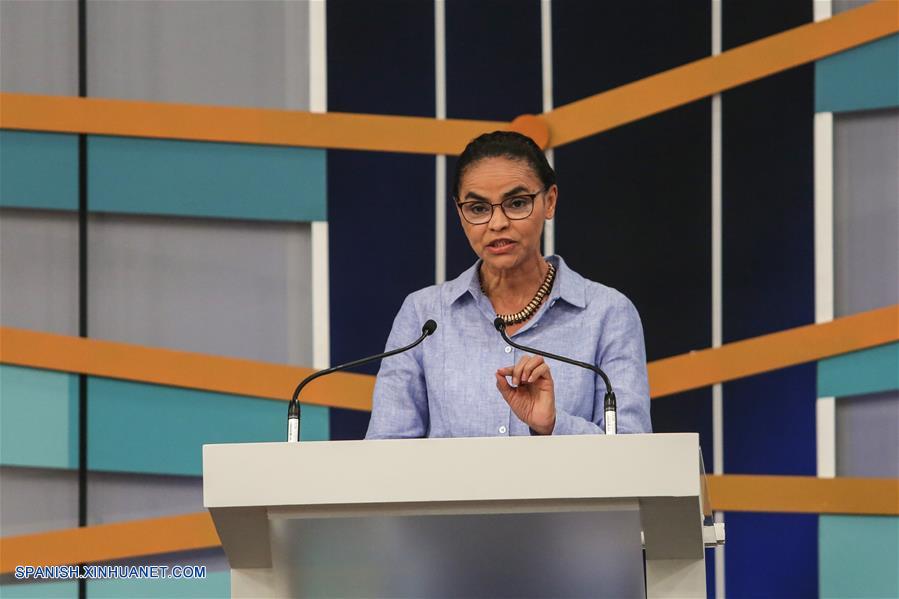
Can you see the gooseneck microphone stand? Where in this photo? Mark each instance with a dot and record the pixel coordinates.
(293, 409)
(609, 405)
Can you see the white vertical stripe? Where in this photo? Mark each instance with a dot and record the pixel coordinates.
(318, 102)
(440, 160)
(825, 407)
(546, 45)
(318, 63)
(821, 9)
(717, 295)
(824, 299)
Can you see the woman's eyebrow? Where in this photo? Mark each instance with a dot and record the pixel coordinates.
(473, 196)
(518, 190)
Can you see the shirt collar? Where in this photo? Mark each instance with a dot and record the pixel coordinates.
(568, 286)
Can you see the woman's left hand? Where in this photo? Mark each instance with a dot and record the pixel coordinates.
(532, 397)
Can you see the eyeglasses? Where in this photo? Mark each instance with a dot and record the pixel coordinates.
(479, 212)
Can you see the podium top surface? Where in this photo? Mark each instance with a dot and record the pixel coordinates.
(482, 469)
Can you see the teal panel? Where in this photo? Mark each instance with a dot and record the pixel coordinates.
(862, 78)
(38, 418)
(868, 371)
(215, 585)
(136, 427)
(38, 170)
(221, 180)
(67, 589)
(315, 423)
(859, 556)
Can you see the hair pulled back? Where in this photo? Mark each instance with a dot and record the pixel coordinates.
(504, 144)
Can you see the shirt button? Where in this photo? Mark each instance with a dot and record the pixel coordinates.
(508, 349)
(502, 430)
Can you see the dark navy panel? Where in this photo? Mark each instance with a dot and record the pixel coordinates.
(768, 253)
(598, 46)
(771, 555)
(768, 285)
(380, 205)
(493, 72)
(689, 412)
(635, 202)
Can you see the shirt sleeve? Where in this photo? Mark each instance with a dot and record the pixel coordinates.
(622, 356)
(400, 400)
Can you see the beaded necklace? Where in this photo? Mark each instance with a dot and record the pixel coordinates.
(531, 308)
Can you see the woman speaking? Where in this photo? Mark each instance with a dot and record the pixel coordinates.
(465, 381)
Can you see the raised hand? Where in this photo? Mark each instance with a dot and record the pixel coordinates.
(531, 394)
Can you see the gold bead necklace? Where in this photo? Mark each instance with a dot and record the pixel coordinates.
(531, 308)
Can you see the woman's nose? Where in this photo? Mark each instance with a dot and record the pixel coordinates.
(498, 220)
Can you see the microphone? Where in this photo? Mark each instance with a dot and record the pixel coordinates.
(609, 404)
(293, 409)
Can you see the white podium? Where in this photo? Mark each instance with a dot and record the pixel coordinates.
(477, 517)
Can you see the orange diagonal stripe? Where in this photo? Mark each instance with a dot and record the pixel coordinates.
(180, 369)
(777, 350)
(804, 494)
(240, 125)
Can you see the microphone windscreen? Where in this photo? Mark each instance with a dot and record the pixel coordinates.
(429, 327)
(499, 324)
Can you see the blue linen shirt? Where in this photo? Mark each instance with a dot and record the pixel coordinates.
(446, 387)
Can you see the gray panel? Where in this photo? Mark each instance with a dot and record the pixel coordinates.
(39, 46)
(868, 435)
(37, 500)
(229, 288)
(579, 554)
(242, 52)
(866, 211)
(114, 497)
(39, 270)
(839, 6)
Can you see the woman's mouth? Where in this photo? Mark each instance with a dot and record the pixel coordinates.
(500, 246)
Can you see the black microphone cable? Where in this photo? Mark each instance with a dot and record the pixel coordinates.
(293, 409)
(609, 404)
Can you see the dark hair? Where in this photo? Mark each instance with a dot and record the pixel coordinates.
(504, 144)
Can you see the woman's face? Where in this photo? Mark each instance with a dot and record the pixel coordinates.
(501, 242)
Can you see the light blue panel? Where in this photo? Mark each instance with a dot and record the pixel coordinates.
(215, 585)
(38, 170)
(859, 556)
(858, 373)
(38, 418)
(315, 423)
(135, 427)
(187, 178)
(67, 589)
(862, 78)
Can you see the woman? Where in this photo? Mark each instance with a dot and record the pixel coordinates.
(464, 380)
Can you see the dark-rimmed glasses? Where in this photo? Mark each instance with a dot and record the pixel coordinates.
(518, 207)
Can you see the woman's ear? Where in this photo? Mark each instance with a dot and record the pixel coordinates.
(552, 195)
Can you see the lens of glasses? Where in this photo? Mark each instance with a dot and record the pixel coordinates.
(516, 208)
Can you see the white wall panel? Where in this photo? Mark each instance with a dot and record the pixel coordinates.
(236, 53)
(39, 46)
(39, 270)
(37, 499)
(222, 287)
(866, 210)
